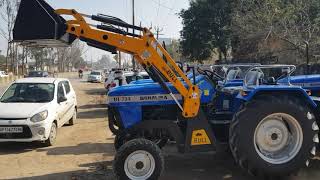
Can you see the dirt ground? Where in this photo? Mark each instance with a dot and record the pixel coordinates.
(85, 151)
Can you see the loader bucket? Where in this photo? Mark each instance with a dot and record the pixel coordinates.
(38, 25)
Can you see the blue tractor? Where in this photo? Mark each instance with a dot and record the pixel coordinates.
(270, 127)
(280, 118)
(310, 82)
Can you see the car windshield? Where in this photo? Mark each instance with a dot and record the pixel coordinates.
(95, 73)
(28, 93)
(35, 74)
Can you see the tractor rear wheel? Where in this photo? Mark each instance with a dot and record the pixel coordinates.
(138, 159)
(273, 136)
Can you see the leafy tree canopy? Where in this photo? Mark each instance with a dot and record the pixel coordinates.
(205, 27)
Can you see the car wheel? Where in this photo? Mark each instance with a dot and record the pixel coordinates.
(74, 117)
(52, 136)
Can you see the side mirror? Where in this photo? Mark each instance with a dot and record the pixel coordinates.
(62, 99)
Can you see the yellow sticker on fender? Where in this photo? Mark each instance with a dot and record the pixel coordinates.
(199, 137)
(206, 92)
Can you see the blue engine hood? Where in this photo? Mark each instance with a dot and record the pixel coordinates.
(140, 89)
(145, 87)
(142, 81)
(311, 82)
(206, 89)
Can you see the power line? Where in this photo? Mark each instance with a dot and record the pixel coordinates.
(174, 2)
(158, 9)
(162, 5)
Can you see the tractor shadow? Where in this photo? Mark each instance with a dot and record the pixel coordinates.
(92, 106)
(98, 91)
(218, 166)
(19, 147)
(93, 113)
(106, 149)
(89, 111)
(92, 171)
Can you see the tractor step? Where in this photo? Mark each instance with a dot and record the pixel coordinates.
(220, 121)
(221, 117)
(224, 112)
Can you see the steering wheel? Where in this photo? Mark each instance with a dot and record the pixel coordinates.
(210, 74)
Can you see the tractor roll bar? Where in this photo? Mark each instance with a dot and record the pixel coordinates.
(291, 69)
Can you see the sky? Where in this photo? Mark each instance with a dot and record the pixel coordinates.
(162, 13)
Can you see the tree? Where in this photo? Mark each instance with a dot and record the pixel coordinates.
(105, 62)
(174, 50)
(70, 57)
(206, 26)
(294, 23)
(8, 12)
(40, 56)
(2, 59)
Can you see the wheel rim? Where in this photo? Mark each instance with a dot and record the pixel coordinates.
(139, 165)
(278, 138)
(53, 132)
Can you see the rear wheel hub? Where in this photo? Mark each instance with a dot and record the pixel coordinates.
(278, 138)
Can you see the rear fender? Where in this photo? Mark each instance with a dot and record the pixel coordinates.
(293, 92)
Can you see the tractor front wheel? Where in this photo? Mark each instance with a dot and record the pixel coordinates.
(138, 159)
(273, 136)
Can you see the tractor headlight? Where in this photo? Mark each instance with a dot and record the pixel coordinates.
(39, 116)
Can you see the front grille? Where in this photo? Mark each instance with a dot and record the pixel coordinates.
(24, 135)
(12, 119)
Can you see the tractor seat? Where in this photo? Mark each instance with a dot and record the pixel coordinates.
(254, 78)
(233, 74)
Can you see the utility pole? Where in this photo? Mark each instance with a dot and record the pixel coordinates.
(133, 61)
(158, 31)
(119, 59)
(91, 61)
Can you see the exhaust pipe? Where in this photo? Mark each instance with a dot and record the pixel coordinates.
(38, 25)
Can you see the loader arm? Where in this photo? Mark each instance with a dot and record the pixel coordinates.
(39, 25)
(146, 50)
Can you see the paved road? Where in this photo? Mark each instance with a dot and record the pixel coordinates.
(85, 151)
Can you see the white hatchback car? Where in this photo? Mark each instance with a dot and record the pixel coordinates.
(32, 109)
